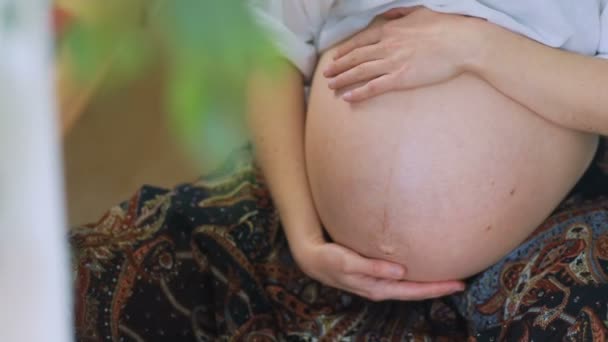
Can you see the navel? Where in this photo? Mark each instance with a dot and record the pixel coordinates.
(386, 249)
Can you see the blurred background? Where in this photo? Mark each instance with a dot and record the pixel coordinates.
(98, 98)
(150, 92)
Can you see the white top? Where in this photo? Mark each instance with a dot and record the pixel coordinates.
(304, 28)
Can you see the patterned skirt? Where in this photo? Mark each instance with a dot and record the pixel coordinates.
(208, 261)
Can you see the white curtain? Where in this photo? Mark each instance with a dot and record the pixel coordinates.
(35, 291)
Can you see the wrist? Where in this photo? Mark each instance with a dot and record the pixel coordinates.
(303, 251)
(300, 235)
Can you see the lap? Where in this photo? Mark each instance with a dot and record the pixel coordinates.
(551, 286)
(208, 260)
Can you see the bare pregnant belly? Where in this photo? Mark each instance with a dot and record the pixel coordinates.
(445, 180)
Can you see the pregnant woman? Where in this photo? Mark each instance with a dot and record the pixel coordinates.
(448, 172)
(444, 179)
(433, 148)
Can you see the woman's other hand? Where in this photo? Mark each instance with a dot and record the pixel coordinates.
(374, 279)
(417, 47)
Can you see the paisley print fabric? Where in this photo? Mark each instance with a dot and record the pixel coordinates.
(208, 261)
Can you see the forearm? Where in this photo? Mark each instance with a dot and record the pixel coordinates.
(563, 87)
(276, 116)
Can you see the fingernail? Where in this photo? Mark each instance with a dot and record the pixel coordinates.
(326, 72)
(348, 96)
(397, 271)
(332, 83)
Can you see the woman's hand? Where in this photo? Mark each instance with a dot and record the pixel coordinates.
(419, 48)
(342, 268)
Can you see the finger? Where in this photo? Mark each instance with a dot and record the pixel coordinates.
(362, 286)
(354, 58)
(366, 37)
(362, 73)
(361, 266)
(420, 291)
(380, 289)
(399, 12)
(372, 88)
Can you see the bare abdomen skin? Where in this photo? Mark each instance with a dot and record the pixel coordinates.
(445, 179)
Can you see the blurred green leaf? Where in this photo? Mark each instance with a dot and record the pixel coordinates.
(210, 47)
(214, 47)
(87, 48)
(131, 57)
